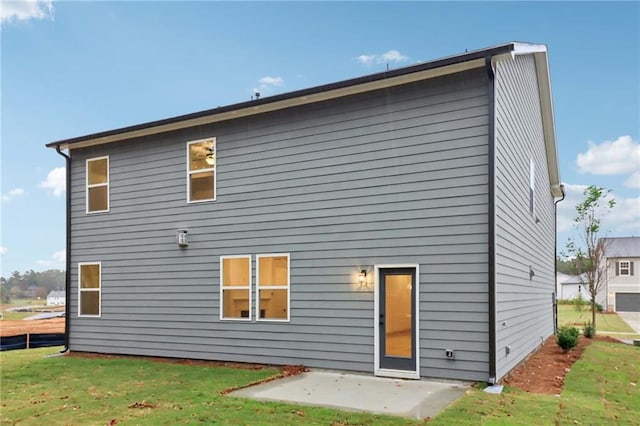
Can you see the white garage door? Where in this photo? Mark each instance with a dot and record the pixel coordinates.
(628, 302)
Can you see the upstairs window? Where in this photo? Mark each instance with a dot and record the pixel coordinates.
(98, 185)
(201, 170)
(89, 289)
(235, 287)
(624, 268)
(272, 287)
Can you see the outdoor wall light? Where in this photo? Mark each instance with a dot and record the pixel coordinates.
(362, 277)
(182, 238)
(531, 272)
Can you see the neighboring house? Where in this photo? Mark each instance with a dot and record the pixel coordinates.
(560, 278)
(622, 276)
(569, 286)
(56, 298)
(400, 224)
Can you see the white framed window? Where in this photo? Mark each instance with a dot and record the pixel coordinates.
(272, 287)
(97, 195)
(532, 184)
(89, 289)
(235, 288)
(201, 170)
(624, 267)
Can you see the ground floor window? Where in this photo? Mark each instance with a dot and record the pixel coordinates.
(272, 288)
(235, 287)
(89, 289)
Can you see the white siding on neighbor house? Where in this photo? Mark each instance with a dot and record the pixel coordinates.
(392, 176)
(524, 313)
(620, 283)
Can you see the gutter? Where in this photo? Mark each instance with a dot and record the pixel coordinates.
(492, 220)
(555, 260)
(67, 274)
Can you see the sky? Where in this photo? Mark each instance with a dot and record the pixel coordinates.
(73, 68)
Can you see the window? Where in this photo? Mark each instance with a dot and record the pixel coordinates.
(98, 185)
(624, 267)
(235, 287)
(272, 287)
(201, 170)
(89, 289)
(532, 184)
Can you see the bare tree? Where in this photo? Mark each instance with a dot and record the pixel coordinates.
(589, 252)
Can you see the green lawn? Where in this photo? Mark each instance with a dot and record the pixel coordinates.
(605, 322)
(80, 391)
(601, 388)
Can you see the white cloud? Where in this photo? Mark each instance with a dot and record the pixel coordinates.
(271, 81)
(366, 59)
(3, 250)
(617, 157)
(57, 260)
(633, 181)
(21, 10)
(56, 181)
(59, 256)
(623, 219)
(16, 192)
(267, 84)
(387, 57)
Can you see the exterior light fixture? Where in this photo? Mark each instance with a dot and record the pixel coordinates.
(182, 238)
(531, 273)
(362, 277)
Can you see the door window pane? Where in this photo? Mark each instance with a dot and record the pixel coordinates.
(398, 312)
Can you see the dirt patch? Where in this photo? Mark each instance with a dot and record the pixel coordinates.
(16, 328)
(545, 370)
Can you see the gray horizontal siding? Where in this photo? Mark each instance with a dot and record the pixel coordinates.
(524, 316)
(396, 176)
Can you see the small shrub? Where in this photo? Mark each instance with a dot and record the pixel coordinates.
(588, 330)
(567, 337)
(598, 307)
(579, 302)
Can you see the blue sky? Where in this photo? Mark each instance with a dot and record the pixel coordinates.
(73, 68)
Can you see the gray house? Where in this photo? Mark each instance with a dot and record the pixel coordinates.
(400, 224)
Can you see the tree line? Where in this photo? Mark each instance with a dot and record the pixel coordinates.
(31, 284)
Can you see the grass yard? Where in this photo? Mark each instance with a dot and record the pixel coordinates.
(605, 322)
(601, 388)
(78, 391)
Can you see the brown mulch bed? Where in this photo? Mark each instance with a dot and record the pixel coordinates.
(18, 327)
(544, 371)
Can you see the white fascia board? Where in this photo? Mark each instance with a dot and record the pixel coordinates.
(287, 103)
(526, 48)
(539, 52)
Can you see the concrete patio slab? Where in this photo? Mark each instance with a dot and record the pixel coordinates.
(354, 392)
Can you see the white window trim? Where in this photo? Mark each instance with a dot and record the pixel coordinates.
(385, 372)
(98, 290)
(213, 169)
(628, 268)
(273, 287)
(96, 185)
(222, 317)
